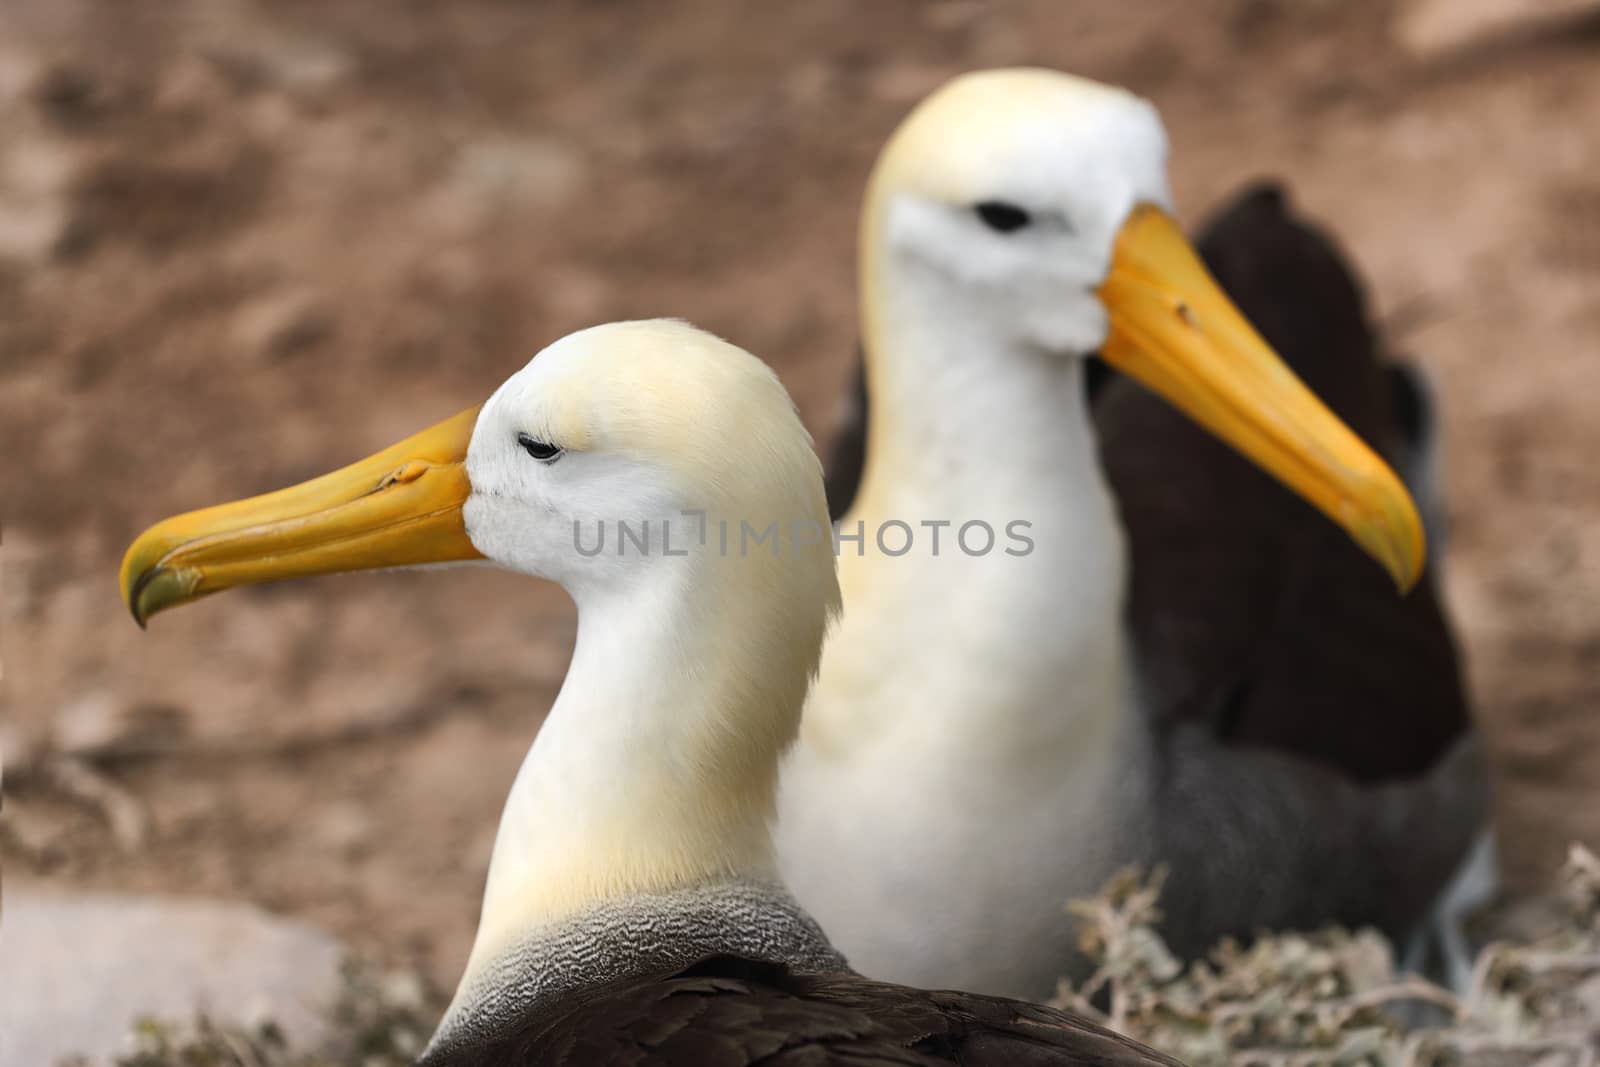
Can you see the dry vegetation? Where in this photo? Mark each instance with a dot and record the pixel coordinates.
(1334, 997)
(381, 1020)
(1288, 1000)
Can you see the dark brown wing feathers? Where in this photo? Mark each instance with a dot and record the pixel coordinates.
(729, 1012)
(1251, 611)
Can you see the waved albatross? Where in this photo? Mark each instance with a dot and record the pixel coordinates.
(633, 912)
(981, 744)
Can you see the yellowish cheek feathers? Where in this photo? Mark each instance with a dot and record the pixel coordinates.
(1174, 330)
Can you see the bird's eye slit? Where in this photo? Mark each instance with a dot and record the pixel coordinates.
(543, 451)
(1001, 216)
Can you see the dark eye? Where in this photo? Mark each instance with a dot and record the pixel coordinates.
(543, 451)
(1001, 216)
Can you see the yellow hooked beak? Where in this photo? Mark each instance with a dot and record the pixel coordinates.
(398, 508)
(1174, 330)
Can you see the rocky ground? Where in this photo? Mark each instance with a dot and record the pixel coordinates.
(241, 242)
(134, 956)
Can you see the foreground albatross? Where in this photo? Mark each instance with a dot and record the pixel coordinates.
(979, 746)
(633, 912)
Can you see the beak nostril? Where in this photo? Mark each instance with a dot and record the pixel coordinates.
(408, 472)
(1186, 313)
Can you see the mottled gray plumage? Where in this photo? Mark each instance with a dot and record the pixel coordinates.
(729, 975)
(730, 1012)
(623, 939)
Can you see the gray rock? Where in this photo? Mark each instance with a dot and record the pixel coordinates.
(76, 969)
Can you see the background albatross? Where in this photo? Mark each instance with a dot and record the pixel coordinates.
(981, 744)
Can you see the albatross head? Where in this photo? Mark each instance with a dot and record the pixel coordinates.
(1005, 191)
(634, 424)
(685, 440)
(696, 641)
(1026, 212)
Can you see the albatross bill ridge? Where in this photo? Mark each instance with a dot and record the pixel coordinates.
(633, 910)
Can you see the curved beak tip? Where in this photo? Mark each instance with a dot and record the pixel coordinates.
(150, 580)
(1405, 577)
(1416, 560)
(140, 566)
(147, 592)
(132, 583)
(1394, 537)
(401, 507)
(1174, 329)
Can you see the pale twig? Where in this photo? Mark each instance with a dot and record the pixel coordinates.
(1409, 987)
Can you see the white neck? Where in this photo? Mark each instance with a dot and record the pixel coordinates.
(965, 425)
(656, 767)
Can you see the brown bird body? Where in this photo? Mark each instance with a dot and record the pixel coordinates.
(730, 1012)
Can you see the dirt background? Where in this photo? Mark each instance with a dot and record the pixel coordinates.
(243, 242)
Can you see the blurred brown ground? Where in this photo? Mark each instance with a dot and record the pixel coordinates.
(243, 242)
